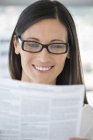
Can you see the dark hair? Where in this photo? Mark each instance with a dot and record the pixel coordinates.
(47, 9)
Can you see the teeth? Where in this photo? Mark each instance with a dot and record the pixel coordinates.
(43, 68)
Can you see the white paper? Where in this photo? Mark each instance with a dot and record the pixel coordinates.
(39, 112)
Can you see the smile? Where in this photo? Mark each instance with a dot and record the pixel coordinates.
(42, 68)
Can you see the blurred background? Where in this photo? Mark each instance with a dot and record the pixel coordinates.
(82, 12)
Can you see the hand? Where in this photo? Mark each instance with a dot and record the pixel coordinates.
(77, 139)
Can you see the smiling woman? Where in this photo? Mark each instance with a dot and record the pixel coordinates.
(39, 64)
(53, 25)
(44, 46)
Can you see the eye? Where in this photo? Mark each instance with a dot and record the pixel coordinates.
(58, 46)
(33, 44)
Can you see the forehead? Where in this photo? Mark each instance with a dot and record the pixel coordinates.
(47, 28)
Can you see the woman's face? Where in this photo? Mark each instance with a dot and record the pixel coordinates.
(43, 67)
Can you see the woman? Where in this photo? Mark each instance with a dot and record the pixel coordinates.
(44, 46)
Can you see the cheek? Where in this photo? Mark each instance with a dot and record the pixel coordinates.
(25, 59)
(61, 63)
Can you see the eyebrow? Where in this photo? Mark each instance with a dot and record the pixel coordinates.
(54, 40)
(32, 38)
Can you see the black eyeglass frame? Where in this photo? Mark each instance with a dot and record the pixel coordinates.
(43, 46)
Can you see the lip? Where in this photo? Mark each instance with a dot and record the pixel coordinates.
(42, 68)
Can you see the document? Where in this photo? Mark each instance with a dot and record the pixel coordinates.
(39, 112)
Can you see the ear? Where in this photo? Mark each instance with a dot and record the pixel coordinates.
(16, 45)
(68, 55)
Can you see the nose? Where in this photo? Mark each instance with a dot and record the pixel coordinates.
(44, 55)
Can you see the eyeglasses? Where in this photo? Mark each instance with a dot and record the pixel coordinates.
(35, 47)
